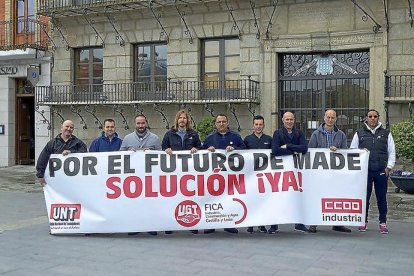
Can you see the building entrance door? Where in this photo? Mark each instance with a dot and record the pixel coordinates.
(311, 83)
(24, 123)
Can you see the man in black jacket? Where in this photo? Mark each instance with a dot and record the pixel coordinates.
(181, 137)
(63, 143)
(288, 140)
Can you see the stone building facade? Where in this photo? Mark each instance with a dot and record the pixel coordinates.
(119, 58)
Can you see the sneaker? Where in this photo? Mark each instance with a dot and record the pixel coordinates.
(312, 229)
(363, 228)
(262, 229)
(194, 231)
(209, 231)
(383, 228)
(168, 232)
(250, 230)
(273, 229)
(342, 229)
(301, 228)
(231, 230)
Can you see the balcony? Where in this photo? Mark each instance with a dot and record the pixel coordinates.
(76, 7)
(171, 91)
(22, 34)
(399, 88)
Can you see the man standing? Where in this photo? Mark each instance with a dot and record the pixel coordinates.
(141, 138)
(328, 136)
(108, 141)
(379, 141)
(258, 140)
(181, 137)
(64, 143)
(223, 138)
(288, 140)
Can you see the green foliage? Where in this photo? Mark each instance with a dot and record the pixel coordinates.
(403, 134)
(205, 127)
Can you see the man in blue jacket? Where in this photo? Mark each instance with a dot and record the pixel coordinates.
(288, 140)
(223, 138)
(108, 141)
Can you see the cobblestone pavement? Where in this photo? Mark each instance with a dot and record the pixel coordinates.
(26, 248)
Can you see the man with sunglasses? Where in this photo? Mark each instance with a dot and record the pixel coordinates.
(375, 138)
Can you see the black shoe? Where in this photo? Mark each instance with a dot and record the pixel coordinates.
(209, 231)
(133, 233)
(152, 233)
(273, 229)
(168, 232)
(231, 230)
(250, 229)
(301, 228)
(262, 229)
(312, 229)
(194, 231)
(341, 229)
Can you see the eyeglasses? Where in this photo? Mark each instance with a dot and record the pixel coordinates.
(373, 116)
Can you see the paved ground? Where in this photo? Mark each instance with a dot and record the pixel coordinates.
(26, 248)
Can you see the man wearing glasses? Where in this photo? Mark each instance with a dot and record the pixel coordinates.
(375, 138)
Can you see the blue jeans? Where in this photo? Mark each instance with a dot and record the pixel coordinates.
(380, 181)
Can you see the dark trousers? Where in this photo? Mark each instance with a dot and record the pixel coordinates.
(379, 180)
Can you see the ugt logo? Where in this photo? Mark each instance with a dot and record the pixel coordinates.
(188, 213)
(65, 212)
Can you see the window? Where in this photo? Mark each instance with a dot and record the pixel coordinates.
(220, 66)
(151, 71)
(88, 72)
(25, 16)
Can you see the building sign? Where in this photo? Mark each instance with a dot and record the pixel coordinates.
(8, 70)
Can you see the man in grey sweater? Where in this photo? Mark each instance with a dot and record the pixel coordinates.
(141, 138)
(329, 136)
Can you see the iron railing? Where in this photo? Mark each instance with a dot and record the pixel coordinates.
(23, 33)
(171, 91)
(399, 88)
(72, 7)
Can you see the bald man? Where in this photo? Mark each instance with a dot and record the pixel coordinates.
(329, 136)
(289, 140)
(64, 143)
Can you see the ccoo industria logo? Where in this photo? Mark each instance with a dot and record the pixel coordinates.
(341, 210)
(188, 213)
(65, 212)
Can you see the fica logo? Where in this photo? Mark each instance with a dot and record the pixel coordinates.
(65, 212)
(188, 213)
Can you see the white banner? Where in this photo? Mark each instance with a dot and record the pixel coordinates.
(152, 191)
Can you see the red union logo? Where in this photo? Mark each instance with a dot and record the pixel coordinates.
(65, 212)
(188, 213)
(341, 205)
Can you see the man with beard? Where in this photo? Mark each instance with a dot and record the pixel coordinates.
(64, 143)
(181, 137)
(329, 136)
(141, 139)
